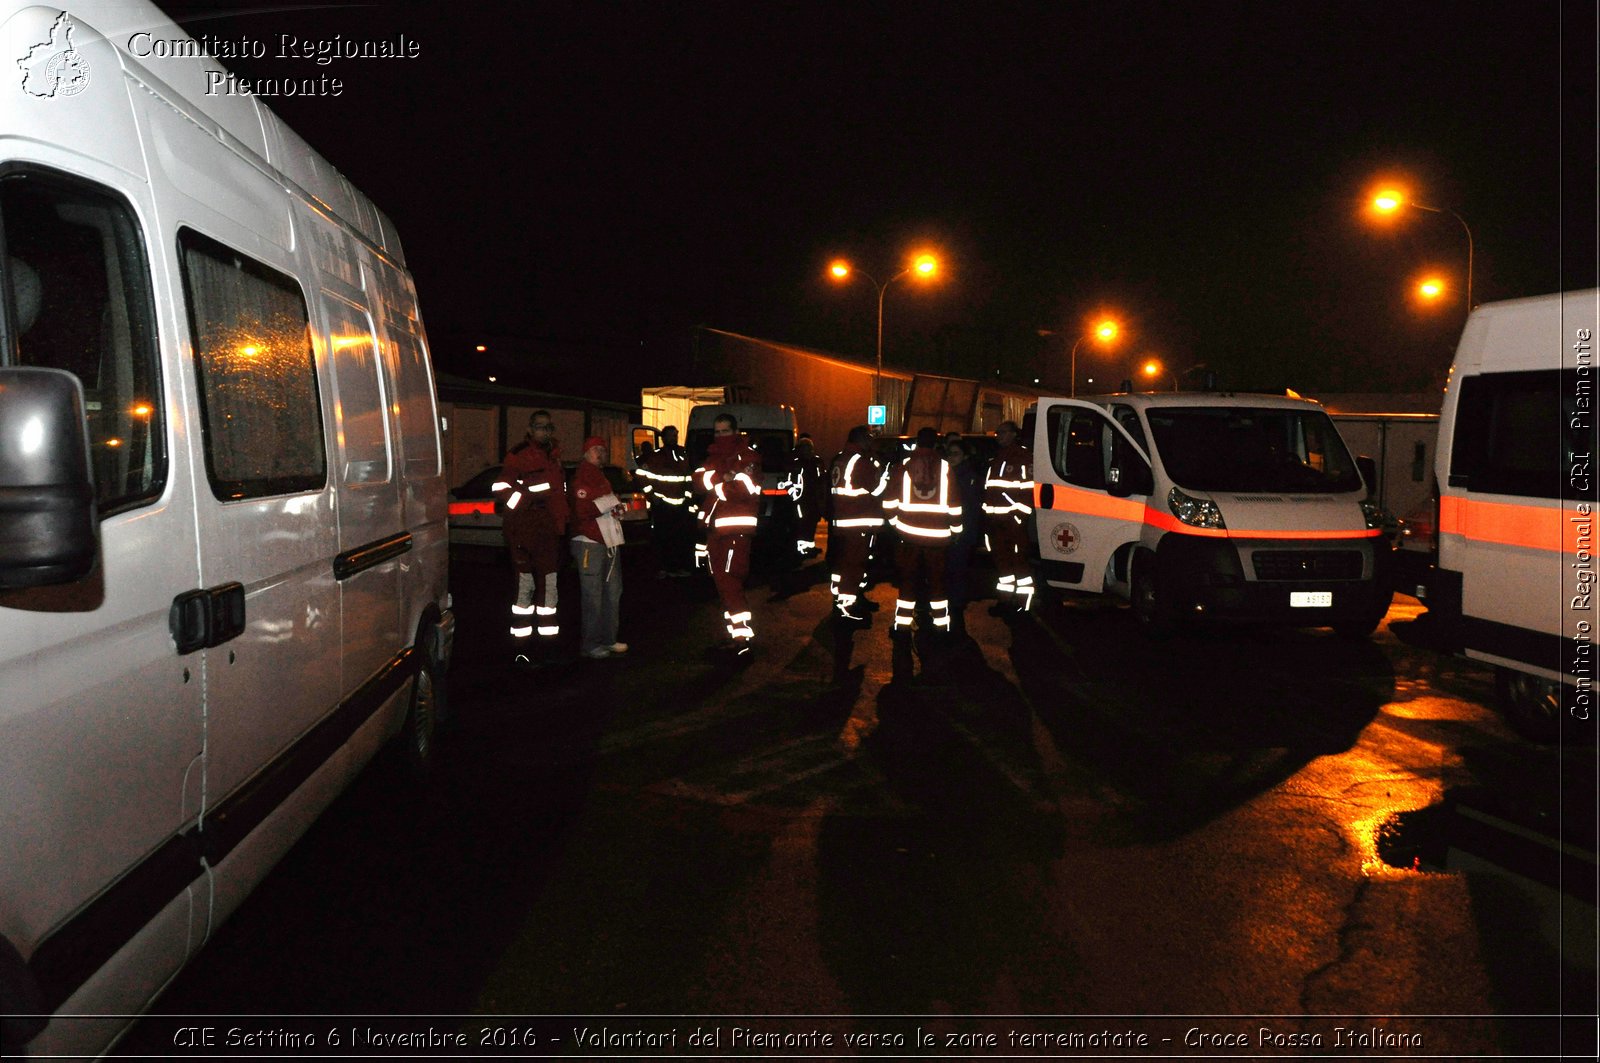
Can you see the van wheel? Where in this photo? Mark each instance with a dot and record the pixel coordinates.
(422, 717)
(1153, 617)
(1531, 704)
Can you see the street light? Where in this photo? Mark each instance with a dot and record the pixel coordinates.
(1388, 201)
(1153, 369)
(1105, 332)
(1430, 289)
(925, 266)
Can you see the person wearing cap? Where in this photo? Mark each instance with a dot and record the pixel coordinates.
(667, 476)
(531, 496)
(597, 548)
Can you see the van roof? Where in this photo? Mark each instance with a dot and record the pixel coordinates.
(1531, 333)
(1239, 399)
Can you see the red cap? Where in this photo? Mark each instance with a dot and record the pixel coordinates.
(594, 441)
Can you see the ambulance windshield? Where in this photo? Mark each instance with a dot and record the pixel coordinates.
(1223, 448)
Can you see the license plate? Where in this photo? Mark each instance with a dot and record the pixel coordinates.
(1310, 599)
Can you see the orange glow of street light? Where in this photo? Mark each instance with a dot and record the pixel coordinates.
(1152, 368)
(1431, 289)
(1388, 201)
(839, 269)
(925, 265)
(1107, 331)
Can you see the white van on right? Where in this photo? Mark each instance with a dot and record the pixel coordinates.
(1513, 583)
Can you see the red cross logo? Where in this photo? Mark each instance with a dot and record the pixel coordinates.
(1067, 538)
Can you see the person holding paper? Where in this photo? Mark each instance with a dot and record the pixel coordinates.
(597, 548)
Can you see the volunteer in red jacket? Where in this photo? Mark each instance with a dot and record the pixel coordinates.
(597, 548)
(857, 483)
(531, 494)
(924, 505)
(729, 486)
(1007, 507)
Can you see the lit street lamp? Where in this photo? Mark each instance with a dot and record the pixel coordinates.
(1153, 370)
(1390, 200)
(1105, 332)
(925, 266)
(1430, 289)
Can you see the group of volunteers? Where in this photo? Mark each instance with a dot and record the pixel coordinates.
(706, 517)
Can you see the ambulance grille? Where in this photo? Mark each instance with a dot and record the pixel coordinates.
(1306, 564)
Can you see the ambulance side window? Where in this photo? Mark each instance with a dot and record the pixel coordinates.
(77, 283)
(1077, 446)
(1516, 432)
(259, 406)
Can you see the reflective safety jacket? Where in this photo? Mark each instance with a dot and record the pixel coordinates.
(728, 484)
(667, 477)
(1008, 491)
(531, 481)
(922, 499)
(857, 484)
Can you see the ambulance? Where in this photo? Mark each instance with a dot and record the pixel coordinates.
(1513, 584)
(223, 541)
(1214, 506)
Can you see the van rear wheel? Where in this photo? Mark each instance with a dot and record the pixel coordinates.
(416, 737)
(1531, 704)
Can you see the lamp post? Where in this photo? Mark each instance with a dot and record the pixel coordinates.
(923, 266)
(1391, 200)
(1105, 332)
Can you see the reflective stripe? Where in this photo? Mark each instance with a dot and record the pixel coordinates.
(668, 500)
(511, 503)
(500, 485)
(1506, 523)
(521, 632)
(1020, 485)
(536, 488)
(734, 522)
(859, 522)
(926, 533)
(522, 610)
(554, 629)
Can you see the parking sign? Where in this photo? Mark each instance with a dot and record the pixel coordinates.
(877, 415)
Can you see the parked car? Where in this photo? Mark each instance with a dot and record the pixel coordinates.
(474, 520)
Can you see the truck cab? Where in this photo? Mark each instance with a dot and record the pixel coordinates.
(1207, 506)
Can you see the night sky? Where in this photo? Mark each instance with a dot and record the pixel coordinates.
(577, 182)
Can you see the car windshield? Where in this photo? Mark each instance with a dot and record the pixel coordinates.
(1233, 449)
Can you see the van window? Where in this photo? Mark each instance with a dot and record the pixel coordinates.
(1227, 448)
(1080, 441)
(78, 297)
(1518, 433)
(1128, 418)
(358, 374)
(258, 384)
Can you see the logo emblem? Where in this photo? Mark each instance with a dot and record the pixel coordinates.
(54, 67)
(1067, 538)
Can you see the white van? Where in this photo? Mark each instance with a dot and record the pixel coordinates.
(222, 510)
(1515, 575)
(1197, 506)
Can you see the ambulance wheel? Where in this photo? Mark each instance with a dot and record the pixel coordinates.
(1531, 704)
(416, 739)
(1152, 615)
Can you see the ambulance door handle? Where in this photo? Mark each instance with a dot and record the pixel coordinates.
(1047, 496)
(201, 619)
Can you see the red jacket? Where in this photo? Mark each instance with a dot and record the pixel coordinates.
(531, 487)
(858, 486)
(729, 485)
(1008, 491)
(588, 483)
(923, 500)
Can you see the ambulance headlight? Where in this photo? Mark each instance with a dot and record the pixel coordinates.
(1200, 512)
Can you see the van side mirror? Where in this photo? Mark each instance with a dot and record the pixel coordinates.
(49, 530)
(1128, 477)
(1369, 474)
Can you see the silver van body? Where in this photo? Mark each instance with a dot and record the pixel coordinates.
(259, 602)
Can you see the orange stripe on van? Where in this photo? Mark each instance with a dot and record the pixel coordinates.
(1095, 504)
(1506, 523)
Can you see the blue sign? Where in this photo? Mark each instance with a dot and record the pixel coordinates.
(877, 415)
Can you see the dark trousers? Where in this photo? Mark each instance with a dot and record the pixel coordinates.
(673, 528)
(914, 561)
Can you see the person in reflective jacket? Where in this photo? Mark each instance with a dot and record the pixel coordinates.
(805, 479)
(1007, 507)
(856, 479)
(923, 503)
(729, 488)
(532, 498)
(667, 476)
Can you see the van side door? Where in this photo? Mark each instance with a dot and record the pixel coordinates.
(268, 531)
(1091, 483)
